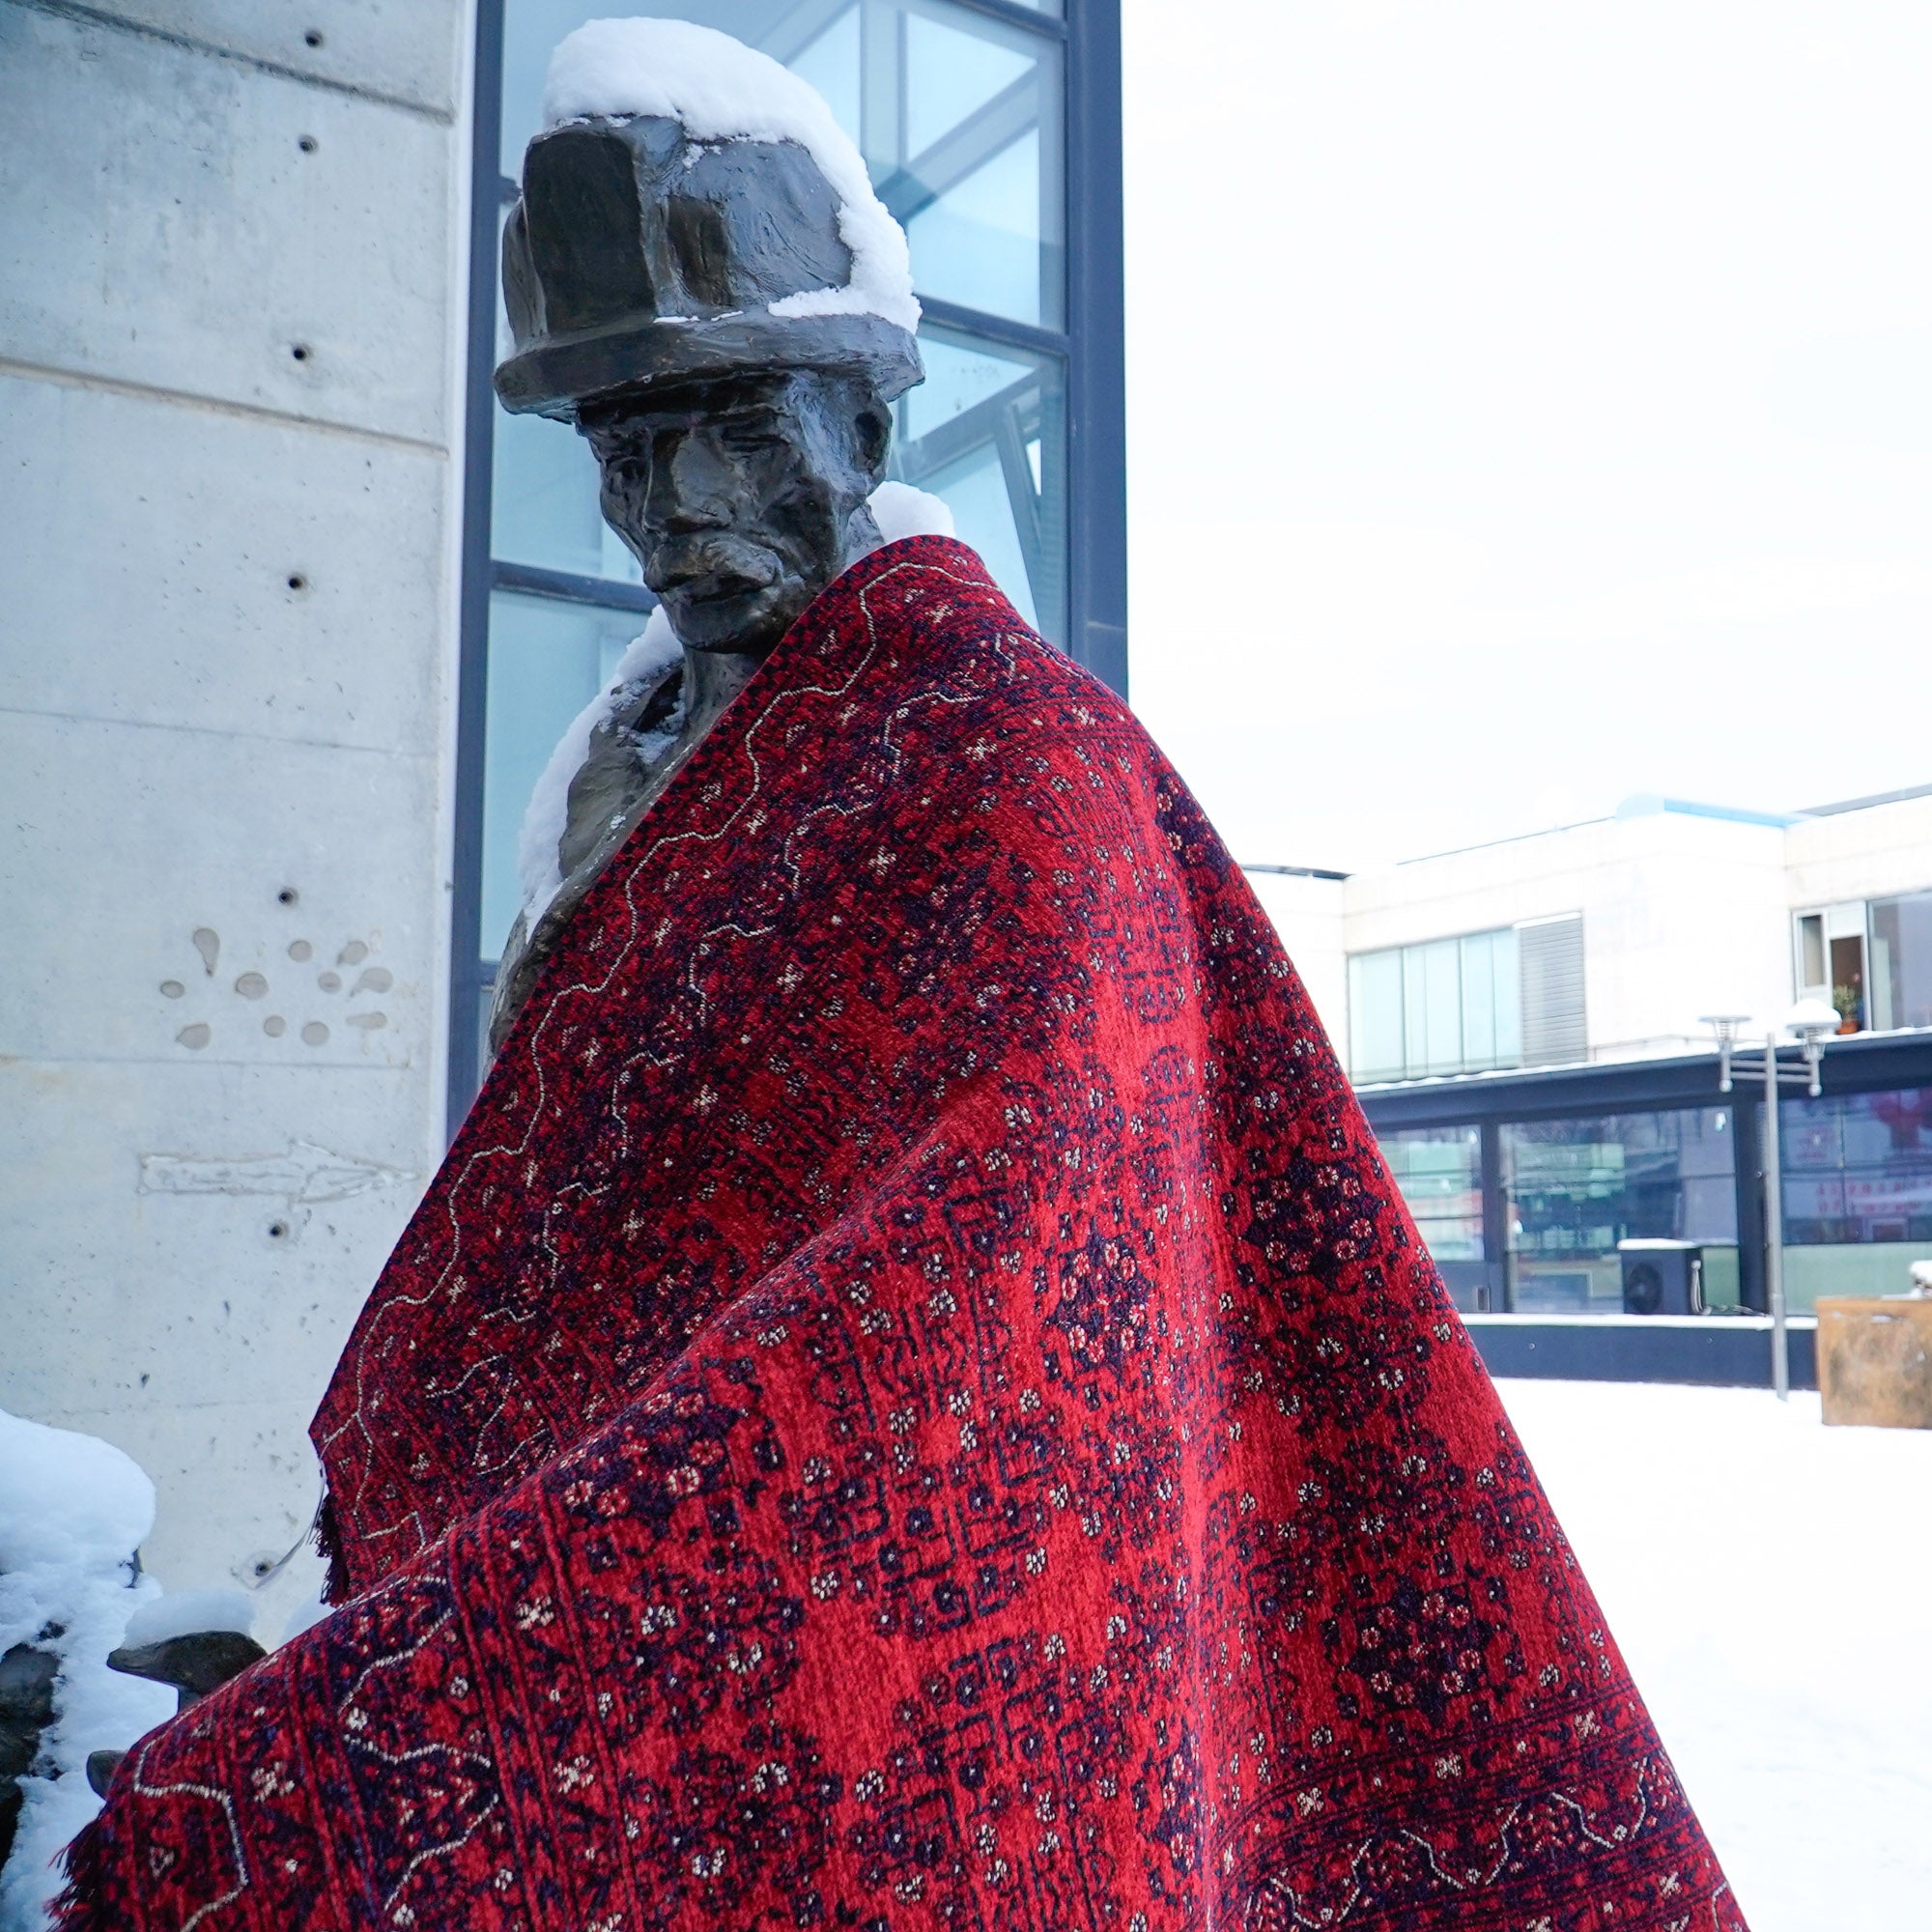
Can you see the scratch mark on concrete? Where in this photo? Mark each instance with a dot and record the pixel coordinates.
(305, 1174)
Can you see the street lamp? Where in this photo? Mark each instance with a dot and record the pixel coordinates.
(1726, 1026)
(1814, 1021)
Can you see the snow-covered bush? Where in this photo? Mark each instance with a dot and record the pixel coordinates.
(73, 1513)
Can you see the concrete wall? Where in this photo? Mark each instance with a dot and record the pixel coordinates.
(1856, 855)
(231, 303)
(1682, 916)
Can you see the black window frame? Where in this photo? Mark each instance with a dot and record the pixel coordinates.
(1852, 1064)
(1091, 350)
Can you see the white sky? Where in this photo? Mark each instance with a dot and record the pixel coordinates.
(1529, 406)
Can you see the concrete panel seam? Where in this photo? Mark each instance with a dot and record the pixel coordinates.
(227, 733)
(401, 1070)
(71, 10)
(149, 393)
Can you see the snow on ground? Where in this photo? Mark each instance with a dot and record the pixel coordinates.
(72, 1512)
(1769, 1580)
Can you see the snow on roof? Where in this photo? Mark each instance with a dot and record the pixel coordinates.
(722, 90)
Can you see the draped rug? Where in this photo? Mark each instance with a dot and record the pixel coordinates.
(915, 1402)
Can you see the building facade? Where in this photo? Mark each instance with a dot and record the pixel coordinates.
(287, 611)
(1526, 1025)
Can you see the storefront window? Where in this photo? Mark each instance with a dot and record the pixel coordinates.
(1438, 1172)
(1575, 1188)
(1857, 1192)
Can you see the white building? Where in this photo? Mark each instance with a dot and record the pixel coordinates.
(1613, 939)
(1525, 1024)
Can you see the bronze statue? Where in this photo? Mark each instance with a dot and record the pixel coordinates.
(737, 446)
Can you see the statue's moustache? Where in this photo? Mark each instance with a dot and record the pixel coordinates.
(715, 565)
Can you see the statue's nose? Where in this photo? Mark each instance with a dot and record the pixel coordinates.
(691, 487)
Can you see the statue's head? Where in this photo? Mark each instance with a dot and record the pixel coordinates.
(727, 317)
(741, 496)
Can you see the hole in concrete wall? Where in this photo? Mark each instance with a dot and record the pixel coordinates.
(296, 580)
(313, 37)
(306, 144)
(278, 1230)
(288, 895)
(299, 350)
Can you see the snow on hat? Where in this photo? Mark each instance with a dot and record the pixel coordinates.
(643, 249)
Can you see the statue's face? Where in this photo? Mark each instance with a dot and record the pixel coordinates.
(737, 496)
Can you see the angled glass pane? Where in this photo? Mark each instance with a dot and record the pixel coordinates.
(829, 62)
(543, 504)
(547, 661)
(987, 431)
(951, 74)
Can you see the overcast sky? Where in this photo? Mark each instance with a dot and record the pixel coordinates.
(1529, 406)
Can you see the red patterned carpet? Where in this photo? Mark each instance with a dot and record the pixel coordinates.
(914, 1403)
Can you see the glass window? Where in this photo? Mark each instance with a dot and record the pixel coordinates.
(1812, 953)
(1575, 1188)
(1438, 1172)
(1901, 961)
(1375, 1015)
(1857, 1167)
(987, 431)
(1857, 1192)
(1492, 1001)
(543, 507)
(1446, 1006)
(547, 660)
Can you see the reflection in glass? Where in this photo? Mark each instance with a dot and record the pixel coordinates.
(1857, 1192)
(1438, 1172)
(1857, 1167)
(1575, 1188)
(547, 661)
(952, 72)
(986, 432)
(543, 504)
(1901, 961)
(830, 63)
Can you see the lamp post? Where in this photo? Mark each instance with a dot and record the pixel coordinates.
(1814, 1021)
